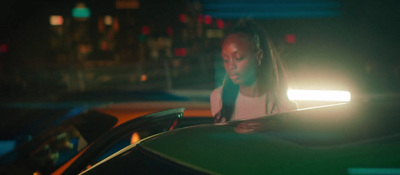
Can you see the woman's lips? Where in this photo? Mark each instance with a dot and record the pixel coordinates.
(234, 77)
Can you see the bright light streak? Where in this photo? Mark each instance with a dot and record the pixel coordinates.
(318, 95)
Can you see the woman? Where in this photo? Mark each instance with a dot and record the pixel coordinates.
(255, 82)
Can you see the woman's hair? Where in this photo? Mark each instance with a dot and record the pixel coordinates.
(271, 73)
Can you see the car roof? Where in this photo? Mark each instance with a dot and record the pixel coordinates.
(294, 140)
(129, 110)
(156, 104)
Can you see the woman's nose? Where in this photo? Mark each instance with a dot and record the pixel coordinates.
(232, 64)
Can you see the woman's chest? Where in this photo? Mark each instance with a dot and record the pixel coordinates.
(248, 108)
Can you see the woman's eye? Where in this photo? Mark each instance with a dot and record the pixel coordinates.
(225, 61)
(239, 58)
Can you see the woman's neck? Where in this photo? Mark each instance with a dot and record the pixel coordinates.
(251, 90)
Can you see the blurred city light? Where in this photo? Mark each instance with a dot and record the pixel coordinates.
(3, 48)
(318, 95)
(108, 20)
(143, 77)
(220, 24)
(145, 30)
(214, 33)
(104, 45)
(290, 38)
(182, 18)
(84, 48)
(207, 19)
(180, 52)
(170, 31)
(56, 20)
(81, 11)
(200, 18)
(100, 24)
(127, 4)
(115, 25)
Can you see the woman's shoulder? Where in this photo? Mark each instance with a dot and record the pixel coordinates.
(217, 91)
(216, 94)
(215, 100)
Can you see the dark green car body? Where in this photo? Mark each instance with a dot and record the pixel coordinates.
(362, 138)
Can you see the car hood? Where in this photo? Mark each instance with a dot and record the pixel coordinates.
(341, 139)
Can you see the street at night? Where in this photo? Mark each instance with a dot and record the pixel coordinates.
(83, 73)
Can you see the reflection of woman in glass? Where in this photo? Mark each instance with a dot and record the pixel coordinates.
(256, 82)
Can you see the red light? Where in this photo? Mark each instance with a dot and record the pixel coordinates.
(173, 125)
(116, 24)
(145, 30)
(290, 38)
(127, 4)
(170, 31)
(183, 52)
(176, 51)
(180, 52)
(200, 18)
(104, 45)
(182, 18)
(101, 24)
(3, 48)
(207, 19)
(220, 24)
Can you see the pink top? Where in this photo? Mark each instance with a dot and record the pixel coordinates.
(245, 107)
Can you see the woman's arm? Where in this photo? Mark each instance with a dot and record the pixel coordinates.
(215, 101)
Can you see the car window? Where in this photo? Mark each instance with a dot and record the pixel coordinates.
(124, 135)
(55, 146)
(131, 137)
(92, 124)
(64, 144)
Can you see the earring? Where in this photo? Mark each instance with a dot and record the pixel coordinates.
(259, 56)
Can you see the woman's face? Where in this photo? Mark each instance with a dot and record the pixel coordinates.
(239, 59)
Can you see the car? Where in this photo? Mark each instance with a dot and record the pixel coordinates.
(354, 138)
(27, 119)
(86, 139)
